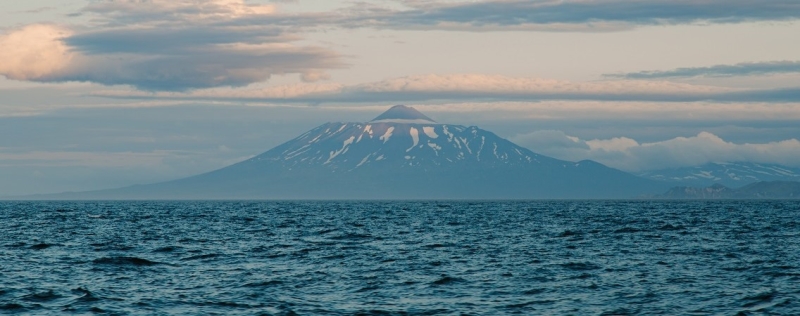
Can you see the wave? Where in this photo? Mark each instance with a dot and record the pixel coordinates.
(125, 261)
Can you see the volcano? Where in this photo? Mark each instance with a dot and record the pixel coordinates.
(401, 154)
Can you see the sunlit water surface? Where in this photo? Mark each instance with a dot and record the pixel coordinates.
(400, 258)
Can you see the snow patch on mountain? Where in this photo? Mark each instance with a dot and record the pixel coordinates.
(430, 131)
(366, 159)
(732, 174)
(345, 146)
(387, 134)
(414, 137)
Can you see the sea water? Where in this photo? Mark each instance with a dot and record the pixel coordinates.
(400, 258)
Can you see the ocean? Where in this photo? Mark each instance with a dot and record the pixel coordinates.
(400, 258)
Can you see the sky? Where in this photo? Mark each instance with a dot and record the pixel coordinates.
(109, 93)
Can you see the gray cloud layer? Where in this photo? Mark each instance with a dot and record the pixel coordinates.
(742, 69)
(560, 14)
(179, 45)
(201, 68)
(164, 45)
(480, 88)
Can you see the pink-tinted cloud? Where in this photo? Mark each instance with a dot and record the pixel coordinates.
(35, 52)
(162, 45)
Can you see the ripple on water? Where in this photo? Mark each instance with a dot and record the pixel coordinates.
(580, 266)
(201, 257)
(41, 246)
(125, 261)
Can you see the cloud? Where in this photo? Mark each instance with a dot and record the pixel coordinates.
(34, 51)
(445, 87)
(37, 10)
(180, 10)
(182, 45)
(314, 76)
(161, 45)
(629, 155)
(481, 88)
(578, 15)
(741, 69)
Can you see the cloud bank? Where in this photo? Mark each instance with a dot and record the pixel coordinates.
(479, 88)
(163, 45)
(182, 45)
(741, 69)
(629, 155)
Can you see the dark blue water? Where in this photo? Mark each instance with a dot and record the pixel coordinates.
(400, 258)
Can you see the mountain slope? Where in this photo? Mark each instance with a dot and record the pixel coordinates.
(733, 174)
(402, 154)
(758, 190)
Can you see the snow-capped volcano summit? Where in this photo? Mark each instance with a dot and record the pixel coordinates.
(401, 138)
(401, 154)
(402, 114)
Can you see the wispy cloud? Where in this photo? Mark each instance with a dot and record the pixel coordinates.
(580, 15)
(741, 69)
(630, 155)
(86, 159)
(37, 10)
(478, 88)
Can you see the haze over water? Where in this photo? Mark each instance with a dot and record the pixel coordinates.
(398, 258)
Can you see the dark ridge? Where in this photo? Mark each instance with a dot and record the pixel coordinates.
(11, 306)
(325, 231)
(86, 295)
(125, 261)
(446, 280)
(351, 236)
(368, 289)
(41, 297)
(627, 230)
(521, 305)
(402, 112)
(41, 246)
(569, 233)
(226, 304)
(534, 291)
(263, 284)
(580, 266)
(620, 311)
(201, 257)
(167, 249)
(380, 312)
(759, 298)
(257, 230)
(670, 227)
